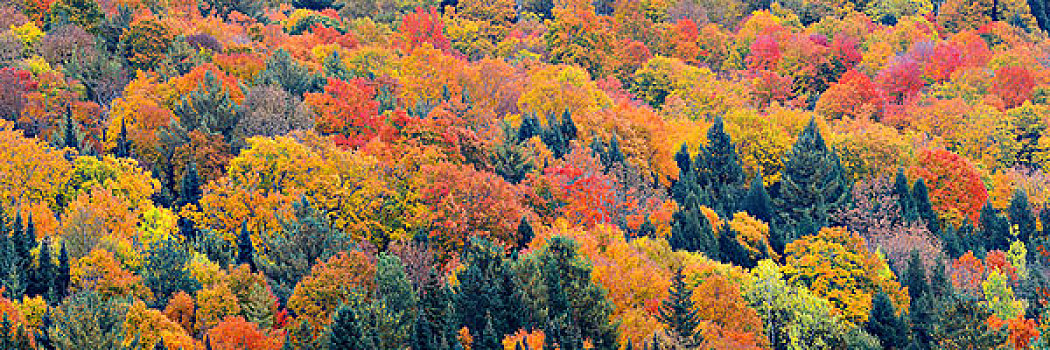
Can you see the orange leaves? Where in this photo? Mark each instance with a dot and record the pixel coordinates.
(968, 273)
(1013, 85)
(423, 27)
(854, 95)
(330, 284)
(32, 172)
(100, 271)
(234, 333)
(956, 189)
(347, 109)
(1022, 332)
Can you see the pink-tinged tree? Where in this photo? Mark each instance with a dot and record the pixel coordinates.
(901, 79)
(423, 26)
(1014, 85)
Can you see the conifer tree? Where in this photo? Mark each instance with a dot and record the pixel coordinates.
(529, 128)
(678, 313)
(1021, 217)
(123, 149)
(45, 272)
(691, 231)
(487, 286)
(63, 278)
(953, 244)
(923, 207)
(88, 321)
(969, 239)
(209, 109)
(813, 184)
(916, 277)
(731, 250)
(166, 271)
(69, 132)
(245, 249)
(284, 71)
(399, 302)
(614, 153)
(350, 329)
(885, 325)
(757, 202)
(1044, 218)
(525, 233)
(434, 325)
(995, 229)
(721, 177)
(904, 197)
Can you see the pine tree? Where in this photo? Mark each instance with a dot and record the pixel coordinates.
(813, 183)
(916, 276)
(691, 231)
(647, 229)
(923, 207)
(885, 325)
(487, 286)
(63, 278)
(757, 202)
(395, 294)
(284, 71)
(969, 239)
(45, 272)
(529, 128)
(1021, 217)
(350, 329)
(953, 245)
(123, 149)
(678, 313)
(69, 132)
(721, 177)
(904, 197)
(434, 330)
(488, 339)
(525, 233)
(731, 250)
(190, 190)
(245, 249)
(614, 153)
(1044, 218)
(995, 229)
(209, 109)
(166, 271)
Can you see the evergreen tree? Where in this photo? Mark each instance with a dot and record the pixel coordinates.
(123, 149)
(245, 249)
(904, 197)
(69, 131)
(678, 313)
(63, 278)
(923, 207)
(731, 250)
(394, 293)
(963, 324)
(525, 233)
(721, 177)
(647, 229)
(434, 328)
(691, 231)
(45, 272)
(8, 259)
(488, 339)
(509, 160)
(190, 190)
(813, 183)
(209, 109)
(885, 325)
(166, 271)
(916, 277)
(1021, 217)
(529, 128)
(284, 71)
(953, 244)
(614, 153)
(757, 202)
(88, 321)
(995, 229)
(487, 286)
(1044, 217)
(350, 329)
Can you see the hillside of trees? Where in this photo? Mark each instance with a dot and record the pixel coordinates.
(524, 174)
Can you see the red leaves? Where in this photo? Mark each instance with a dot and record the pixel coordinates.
(765, 53)
(234, 333)
(423, 27)
(955, 187)
(1014, 85)
(347, 109)
(901, 79)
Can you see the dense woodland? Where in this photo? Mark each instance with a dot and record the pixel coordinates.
(530, 174)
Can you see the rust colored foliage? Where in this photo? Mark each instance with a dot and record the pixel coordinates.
(347, 109)
(955, 186)
(423, 27)
(1014, 85)
(234, 333)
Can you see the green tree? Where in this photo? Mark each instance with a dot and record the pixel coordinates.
(964, 325)
(208, 109)
(87, 321)
(488, 286)
(721, 178)
(189, 193)
(435, 327)
(678, 311)
(904, 197)
(166, 271)
(995, 229)
(84, 13)
(730, 249)
(398, 303)
(924, 208)
(884, 323)
(282, 70)
(245, 248)
(690, 230)
(350, 329)
(525, 233)
(793, 317)
(813, 184)
(1021, 217)
(757, 202)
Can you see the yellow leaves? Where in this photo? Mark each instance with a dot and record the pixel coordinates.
(30, 171)
(215, 303)
(330, 284)
(28, 32)
(99, 270)
(32, 310)
(762, 139)
(754, 235)
(425, 73)
(122, 177)
(868, 150)
(552, 90)
(147, 326)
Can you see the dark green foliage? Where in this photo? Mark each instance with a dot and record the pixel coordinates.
(1021, 217)
(395, 303)
(923, 207)
(166, 271)
(215, 247)
(923, 317)
(613, 153)
(720, 176)
(245, 248)
(435, 328)
(858, 339)
(963, 325)
(209, 109)
(508, 158)
(558, 134)
(42, 276)
(62, 279)
(9, 272)
(953, 244)
(561, 294)
(730, 249)
(883, 323)
(301, 337)
(529, 128)
(678, 311)
(84, 13)
(916, 276)
(690, 230)
(813, 184)
(190, 190)
(334, 67)
(1041, 12)
(904, 197)
(647, 229)
(350, 329)
(487, 286)
(286, 256)
(69, 132)
(282, 70)
(995, 229)
(525, 233)
(1044, 217)
(488, 338)
(223, 8)
(307, 23)
(123, 149)
(87, 321)
(757, 202)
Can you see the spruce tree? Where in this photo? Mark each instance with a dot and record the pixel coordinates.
(284, 71)
(904, 197)
(487, 286)
(190, 190)
(995, 229)
(45, 272)
(525, 233)
(730, 248)
(434, 328)
(350, 329)
(1021, 217)
(245, 249)
(529, 128)
(69, 132)
(691, 231)
(166, 271)
(923, 207)
(123, 149)
(721, 177)
(953, 244)
(678, 313)
(209, 109)
(395, 294)
(63, 278)
(614, 153)
(884, 324)
(813, 184)
(1044, 218)
(757, 202)
(916, 277)
(969, 239)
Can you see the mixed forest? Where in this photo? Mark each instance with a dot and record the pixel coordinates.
(524, 174)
